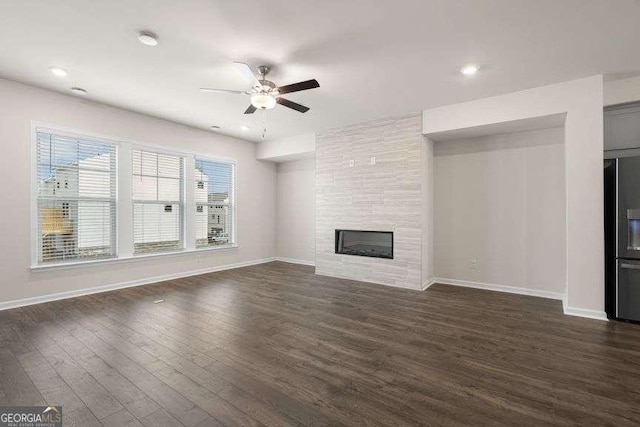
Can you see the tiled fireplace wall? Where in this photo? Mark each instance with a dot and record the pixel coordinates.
(386, 196)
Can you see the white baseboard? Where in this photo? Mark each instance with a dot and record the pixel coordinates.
(295, 261)
(428, 283)
(499, 288)
(6, 305)
(581, 312)
(569, 311)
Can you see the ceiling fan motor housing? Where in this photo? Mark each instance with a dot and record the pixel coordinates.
(267, 86)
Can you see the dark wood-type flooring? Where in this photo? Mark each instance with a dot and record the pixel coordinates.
(276, 345)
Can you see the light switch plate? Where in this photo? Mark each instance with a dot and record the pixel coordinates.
(373, 160)
(352, 163)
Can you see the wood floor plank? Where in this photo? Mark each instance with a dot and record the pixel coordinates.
(52, 387)
(213, 383)
(324, 397)
(252, 405)
(166, 397)
(217, 407)
(15, 382)
(80, 417)
(121, 418)
(131, 397)
(160, 418)
(275, 345)
(400, 398)
(94, 395)
(12, 339)
(152, 326)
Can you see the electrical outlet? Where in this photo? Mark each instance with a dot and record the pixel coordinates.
(473, 264)
(352, 163)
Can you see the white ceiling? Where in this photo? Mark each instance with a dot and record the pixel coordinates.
(372, 58)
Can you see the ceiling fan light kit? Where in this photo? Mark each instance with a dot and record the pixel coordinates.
(263, 101)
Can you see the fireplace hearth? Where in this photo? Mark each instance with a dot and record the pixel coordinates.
(375, 244)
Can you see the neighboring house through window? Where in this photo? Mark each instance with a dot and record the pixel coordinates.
(77, 222)
(157, 202)
(215, 202)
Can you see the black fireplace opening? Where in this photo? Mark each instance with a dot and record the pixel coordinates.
(376, 244)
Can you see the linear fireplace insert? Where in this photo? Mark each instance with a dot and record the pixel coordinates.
(376, 244)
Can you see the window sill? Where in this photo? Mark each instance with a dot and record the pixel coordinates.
(133, 258)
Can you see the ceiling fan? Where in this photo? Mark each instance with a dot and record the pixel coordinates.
(264, 93)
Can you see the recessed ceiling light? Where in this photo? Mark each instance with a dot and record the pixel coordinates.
(59, 72)
(78, 91)
(244, 128)
(469, 70)
(148, 38)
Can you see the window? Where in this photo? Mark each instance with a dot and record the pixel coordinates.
(76, 194)
(214, 203)
(157, 202)
(76, 222)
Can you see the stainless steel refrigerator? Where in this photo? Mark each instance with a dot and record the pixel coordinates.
(622, 238)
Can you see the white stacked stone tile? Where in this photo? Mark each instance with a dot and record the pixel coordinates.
(386, 196)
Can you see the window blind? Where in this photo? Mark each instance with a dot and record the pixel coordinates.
(76, 198)
(157, 202)
(214, 202)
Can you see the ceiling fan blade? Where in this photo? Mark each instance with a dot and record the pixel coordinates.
(235, 92)
(246, 72)
(292, 105)
(297, 87)
(250, 110)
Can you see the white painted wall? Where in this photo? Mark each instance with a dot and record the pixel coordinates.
(500, 200)
(428, 212)
(296, 211)
(622, 128)
(622, 91)
(21, 104)
(582, 101)
(287, 149)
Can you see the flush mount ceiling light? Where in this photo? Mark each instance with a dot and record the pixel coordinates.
(78, 91)
(469, 70)
(215, 127)
(148, 38)
(263, 101)
(58, 72)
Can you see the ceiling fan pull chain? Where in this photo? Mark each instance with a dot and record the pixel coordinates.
(264, 124)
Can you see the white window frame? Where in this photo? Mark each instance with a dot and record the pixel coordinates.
(234, 192)
(36, 238)
(183, 196)
(124, 202)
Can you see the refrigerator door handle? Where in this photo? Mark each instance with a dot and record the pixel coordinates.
(630, 266)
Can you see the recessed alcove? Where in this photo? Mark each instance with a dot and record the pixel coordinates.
(499, 206)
